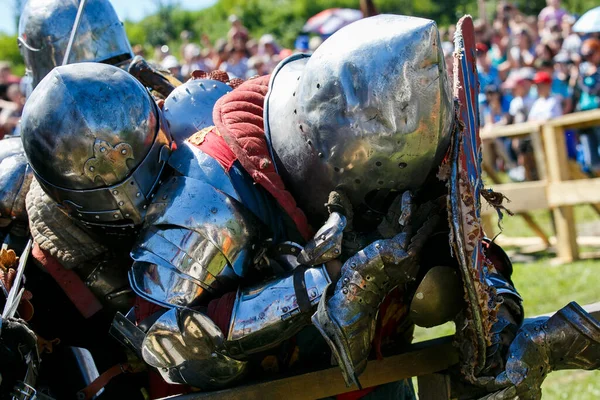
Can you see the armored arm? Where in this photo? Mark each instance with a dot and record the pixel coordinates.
(15, 178)
(201, 244)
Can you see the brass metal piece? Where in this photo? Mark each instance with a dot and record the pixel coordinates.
(438, 298)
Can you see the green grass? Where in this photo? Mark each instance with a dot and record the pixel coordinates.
(546, 288)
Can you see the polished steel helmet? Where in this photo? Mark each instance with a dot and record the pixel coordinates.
(96, 142)
(189, 107)
(370, 109)
(45, 27)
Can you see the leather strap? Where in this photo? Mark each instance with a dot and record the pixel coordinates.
(80, 295)
(103, 380)
(300, 289)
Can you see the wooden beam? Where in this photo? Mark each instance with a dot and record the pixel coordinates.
(570, 193)
(523, 196)
(558, 171)
(582, 119)
(487, 219)
(515, 130)
(577, 173)
(421, 359)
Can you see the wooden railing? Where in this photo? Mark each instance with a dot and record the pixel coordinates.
(560, 186)
(428, 361)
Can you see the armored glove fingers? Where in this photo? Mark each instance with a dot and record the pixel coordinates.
(347, 318)
(567, 340)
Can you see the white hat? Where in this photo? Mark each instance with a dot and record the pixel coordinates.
(170, 62)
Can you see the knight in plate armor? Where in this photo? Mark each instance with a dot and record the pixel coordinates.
(365, 141)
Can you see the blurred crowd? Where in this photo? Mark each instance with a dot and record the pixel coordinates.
(240, 55)
(533, 68)
(12, 100)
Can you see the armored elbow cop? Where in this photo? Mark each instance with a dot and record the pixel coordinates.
(187, 347)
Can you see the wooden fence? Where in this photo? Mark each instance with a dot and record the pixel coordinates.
(428, 361)
(561, 185)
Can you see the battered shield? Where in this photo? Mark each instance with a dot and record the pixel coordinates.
(466, 187)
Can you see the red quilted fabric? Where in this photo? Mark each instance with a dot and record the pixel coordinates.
(238, 117)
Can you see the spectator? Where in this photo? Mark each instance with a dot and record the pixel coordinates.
(6, 75)
(11, 112)
(256, 66)
(552, 13)
(522, 98)
(237, 64)
(488, 74)
(522, 54)
(571, 41)
(268, 47)
(561, 85)
(171, 64)
(589, 85)
(6, 79)
(238, 34)
(193, 60)
(546, 106)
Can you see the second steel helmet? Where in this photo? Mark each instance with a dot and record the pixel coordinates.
(45, 27)
(96, 142)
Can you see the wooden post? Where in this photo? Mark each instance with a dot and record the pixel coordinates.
(558, 170)
(538, 153)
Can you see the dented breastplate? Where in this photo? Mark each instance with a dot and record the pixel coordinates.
(197, 240)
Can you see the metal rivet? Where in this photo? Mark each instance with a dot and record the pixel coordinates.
(285, 309)
(79, 215)
(346, 280)
(318, 86)
(353, 265)
(138, 194)
(214, 86)
(116, 216)
(165, 197)
(336, 251)
(145, 206)
(320, 155)
(377, 246)
(345, 291)
(309, 142)
(97, 217)
(214, 210)
(127, 215)
(402, 165)
(102, 149)
(378, 163)
(92, 169)
(121, 203)
(123, 151)
(115, 192)
(13, 217)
